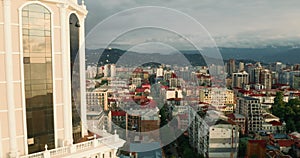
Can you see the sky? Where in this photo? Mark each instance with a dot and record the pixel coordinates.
(227, 23)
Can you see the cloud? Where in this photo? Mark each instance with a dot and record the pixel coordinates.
(231, 23)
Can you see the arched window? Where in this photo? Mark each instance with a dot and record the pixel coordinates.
(75, 75)
(36, 28)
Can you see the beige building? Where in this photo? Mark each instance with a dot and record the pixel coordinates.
(266, 79)
(39, 41)
(97, 100)
(218, 97)
(240, 79)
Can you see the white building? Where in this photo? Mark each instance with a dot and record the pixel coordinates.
(241, 66)
(159, 72)
(91, 72)
(213, 136)
(116, 84)
(109, 70)
(266, 78)
(174, 93)
(38, 45)
(223, 140)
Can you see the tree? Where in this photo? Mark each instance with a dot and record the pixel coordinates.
(287, 112)
(278, 100)
(290, 125)
(279, 106)
(188, 152)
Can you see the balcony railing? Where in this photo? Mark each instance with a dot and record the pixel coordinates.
(84, 146)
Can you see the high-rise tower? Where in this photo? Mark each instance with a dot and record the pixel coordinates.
(38, 45)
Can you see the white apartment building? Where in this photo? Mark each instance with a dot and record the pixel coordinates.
(213, 136)
(109, 70)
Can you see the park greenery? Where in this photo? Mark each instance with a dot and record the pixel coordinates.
(288, 112)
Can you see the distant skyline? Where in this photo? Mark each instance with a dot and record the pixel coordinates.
(231, 23)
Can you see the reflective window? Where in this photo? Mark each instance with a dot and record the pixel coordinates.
(75, 78)
(36, 30)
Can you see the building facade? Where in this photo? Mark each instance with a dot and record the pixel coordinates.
(266, 79)
(252, 110)
(214, 137)
(240, 79)
(230, 67)
(97, 100)
(41, 54)
(218, 97)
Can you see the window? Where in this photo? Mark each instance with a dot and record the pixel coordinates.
(74, 48)
(36, 28)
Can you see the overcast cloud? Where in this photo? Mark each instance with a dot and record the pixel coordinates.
(230, 22)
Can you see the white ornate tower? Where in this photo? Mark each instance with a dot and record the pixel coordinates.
(35, 81)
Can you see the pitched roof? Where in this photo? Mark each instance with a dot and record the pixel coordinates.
(285, 143)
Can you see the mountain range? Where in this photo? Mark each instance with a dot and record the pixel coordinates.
(285, 54)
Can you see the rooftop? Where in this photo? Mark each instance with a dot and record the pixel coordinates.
(250, 98)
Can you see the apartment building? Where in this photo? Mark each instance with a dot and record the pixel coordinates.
(213, 135)
(251, 108)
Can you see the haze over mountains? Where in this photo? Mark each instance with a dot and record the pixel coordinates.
(285, 54)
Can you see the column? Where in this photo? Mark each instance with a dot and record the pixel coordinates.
(9, 80)
(82, 76)
(67, 103)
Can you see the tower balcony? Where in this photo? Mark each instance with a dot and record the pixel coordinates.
(96, 148)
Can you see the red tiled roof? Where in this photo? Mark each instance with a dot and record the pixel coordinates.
(231, 116)
(146, 86)
(294, 135)
(173, 75)
(285, 143)
(275, 123)
(140, 89)
(164, 87)
(111, 100)
(118, 113)
(245, 91)
(138, 70)
(177, 99)
(257, 95)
